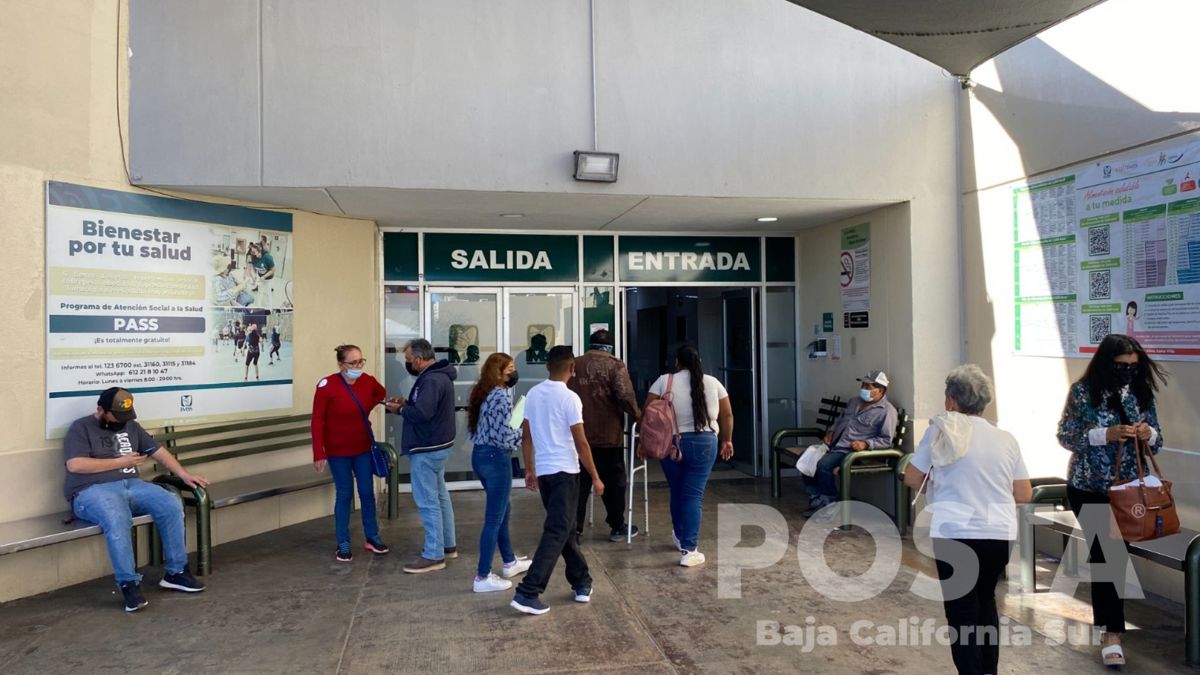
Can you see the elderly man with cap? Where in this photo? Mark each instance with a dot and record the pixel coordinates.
(103, 452)
(868, 422)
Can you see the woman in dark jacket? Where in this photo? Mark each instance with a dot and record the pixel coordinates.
(1110, 406)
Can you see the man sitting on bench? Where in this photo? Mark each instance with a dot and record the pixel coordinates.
(103, 452)
(868, 422)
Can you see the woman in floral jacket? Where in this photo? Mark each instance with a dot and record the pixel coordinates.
(488, 416)
(1108, 407)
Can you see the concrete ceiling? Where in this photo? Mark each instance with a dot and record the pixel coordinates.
(957, 35)
(432, 209)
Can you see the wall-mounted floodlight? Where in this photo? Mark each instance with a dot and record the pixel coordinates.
(596, 166)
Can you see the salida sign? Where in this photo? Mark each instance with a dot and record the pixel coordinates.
(501, 257)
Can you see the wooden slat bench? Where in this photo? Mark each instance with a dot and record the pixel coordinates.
(222, 442)
(853, 464)
(1179, 551)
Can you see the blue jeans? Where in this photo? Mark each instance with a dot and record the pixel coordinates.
(113, 505)
(494, 469)
(687, 479)
(433, 501)
(822, 487)
(347, 471)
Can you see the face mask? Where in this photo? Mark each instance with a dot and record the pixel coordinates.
(865, 395)
(354, 373)
(1124, 374)
(512, 379)
(111, 426)
(411, 369)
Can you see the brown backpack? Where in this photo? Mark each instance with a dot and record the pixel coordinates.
(659, 436)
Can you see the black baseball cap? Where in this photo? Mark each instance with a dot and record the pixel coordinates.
(119, 402)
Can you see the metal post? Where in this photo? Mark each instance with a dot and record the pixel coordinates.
(844, 479)
(1025, 536)
(203, 532)
(1191, 602)
(776, 481)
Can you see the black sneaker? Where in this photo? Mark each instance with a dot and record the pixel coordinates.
(619, 533)
(183, 581)
(377, 546)
(528, 604)
(132, 591)
(343, 553)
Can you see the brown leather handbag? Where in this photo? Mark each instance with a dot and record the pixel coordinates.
(1143, 512)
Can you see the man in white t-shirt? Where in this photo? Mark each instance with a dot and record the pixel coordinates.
(554, 446)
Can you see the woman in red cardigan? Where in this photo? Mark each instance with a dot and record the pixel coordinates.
(341, 440)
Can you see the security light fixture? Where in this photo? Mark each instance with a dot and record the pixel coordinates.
(596, 166)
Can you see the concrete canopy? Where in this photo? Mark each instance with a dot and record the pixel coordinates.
(957, 35)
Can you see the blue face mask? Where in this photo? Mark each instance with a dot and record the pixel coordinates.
(865, 395)
(354, 373)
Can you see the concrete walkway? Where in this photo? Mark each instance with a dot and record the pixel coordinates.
(279, 603)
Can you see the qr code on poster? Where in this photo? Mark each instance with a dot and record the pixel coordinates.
(1100, 285)
(1098, 241)
(1099, 326)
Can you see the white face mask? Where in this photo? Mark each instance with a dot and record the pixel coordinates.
(865, 395)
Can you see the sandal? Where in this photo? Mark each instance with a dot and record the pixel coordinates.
(1113, 656)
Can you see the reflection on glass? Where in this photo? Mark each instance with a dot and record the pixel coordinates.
(780, 309)
(401, 323)
(463, 331)
(537, 322)
(600, 312)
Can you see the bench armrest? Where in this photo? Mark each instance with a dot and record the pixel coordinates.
(795, 432)
(176, 484)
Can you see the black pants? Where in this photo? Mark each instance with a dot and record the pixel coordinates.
(610, 464)
(973, 616)
(1108, 609)
(560, 494)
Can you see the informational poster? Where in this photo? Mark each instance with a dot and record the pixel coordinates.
(188, 305)
(854, 263)
(1111, 247)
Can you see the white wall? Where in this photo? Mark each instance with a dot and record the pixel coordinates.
(1100, 83)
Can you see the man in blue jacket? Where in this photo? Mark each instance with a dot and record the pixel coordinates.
(427, 439)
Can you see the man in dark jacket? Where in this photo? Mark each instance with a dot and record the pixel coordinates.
(602, 383)
(427, 439)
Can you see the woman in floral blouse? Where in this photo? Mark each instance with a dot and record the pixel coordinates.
(488, 417)
(1108, 407)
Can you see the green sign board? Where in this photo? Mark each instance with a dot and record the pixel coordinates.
(486, 258)
(400, 256)
(694, 259)
(827, 322)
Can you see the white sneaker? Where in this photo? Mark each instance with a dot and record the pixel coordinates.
(492, 583)
(691, 559)
(518, 566)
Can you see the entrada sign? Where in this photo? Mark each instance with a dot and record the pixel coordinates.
(690, 259)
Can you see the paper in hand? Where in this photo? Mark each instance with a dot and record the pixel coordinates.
(518, 414)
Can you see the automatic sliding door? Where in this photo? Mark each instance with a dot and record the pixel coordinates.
(537, 321)
(741, 359)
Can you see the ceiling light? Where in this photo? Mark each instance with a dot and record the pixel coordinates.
(596, 166)
(767, 219)
(512, 215)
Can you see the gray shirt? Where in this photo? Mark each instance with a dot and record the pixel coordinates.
(86, 438)
(872, 423)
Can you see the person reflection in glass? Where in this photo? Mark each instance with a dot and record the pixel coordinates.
(537, 350)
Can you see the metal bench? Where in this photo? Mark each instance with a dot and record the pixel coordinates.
(39, 531)
(854, 463)
(227, 441)
(1179, 551)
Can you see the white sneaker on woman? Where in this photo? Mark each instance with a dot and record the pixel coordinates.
(491, 583)
(518, 566)
(691, 558)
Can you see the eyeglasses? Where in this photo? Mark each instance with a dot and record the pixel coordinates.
(356, 364)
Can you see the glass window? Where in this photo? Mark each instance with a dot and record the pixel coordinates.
(780, 311)
(401, 323)
(537, 322)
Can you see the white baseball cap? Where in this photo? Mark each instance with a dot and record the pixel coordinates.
(875, 377)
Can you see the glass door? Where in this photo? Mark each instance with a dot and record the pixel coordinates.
(738, 374)
(464, 326)
(536, 320)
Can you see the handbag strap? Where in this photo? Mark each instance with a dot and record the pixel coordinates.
(361, 410)
(667, 395)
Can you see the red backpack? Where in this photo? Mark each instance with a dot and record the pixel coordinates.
(659, 438)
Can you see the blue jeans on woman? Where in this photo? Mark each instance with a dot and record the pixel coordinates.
(687, 479)
(112, 506)
(493, 468)
(347, 471)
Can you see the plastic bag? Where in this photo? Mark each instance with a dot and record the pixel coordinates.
(807, 464)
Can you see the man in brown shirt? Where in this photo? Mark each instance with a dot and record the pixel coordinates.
(602, 382)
